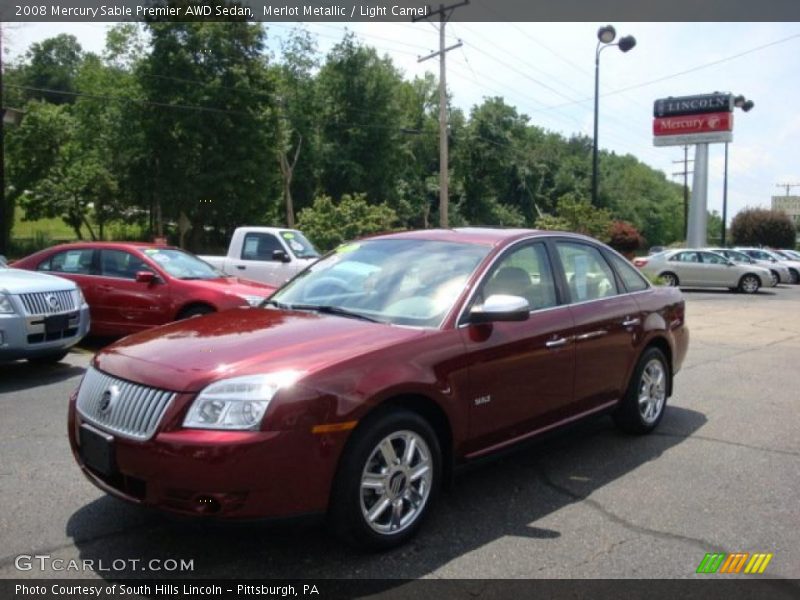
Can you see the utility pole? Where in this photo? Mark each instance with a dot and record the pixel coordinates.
(724, 198)
(444, 12)
(686, 172)
(788, 187)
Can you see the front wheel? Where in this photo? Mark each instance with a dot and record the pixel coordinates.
(643, 406)
(774, 278)
(387, 481)
(794, 276)
(749, 284)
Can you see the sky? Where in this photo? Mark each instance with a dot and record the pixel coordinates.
(546, 70)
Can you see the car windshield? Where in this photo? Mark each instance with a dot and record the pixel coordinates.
(299, 245)
(403, 282)
(180, 264)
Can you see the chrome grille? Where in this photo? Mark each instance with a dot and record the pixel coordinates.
(47, 303)
(127, 409)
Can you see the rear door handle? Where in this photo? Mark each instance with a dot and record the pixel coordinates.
(631, 322)
(241, 267)
(591, 335)
(557, 343)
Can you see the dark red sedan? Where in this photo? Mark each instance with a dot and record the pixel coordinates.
(361, 383)
(134, 286)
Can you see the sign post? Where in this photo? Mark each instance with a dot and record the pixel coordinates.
(700, 120)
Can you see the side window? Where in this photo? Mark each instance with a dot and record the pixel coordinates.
(76, 262)
(630, 276)
(524, 272)
(118, 263)
(712, 259)
(589, 276)
(259, 246)
(687, 257)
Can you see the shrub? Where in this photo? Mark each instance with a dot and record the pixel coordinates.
(624, 237)
(762, 227)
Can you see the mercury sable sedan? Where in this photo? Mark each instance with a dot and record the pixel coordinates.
(358, 386)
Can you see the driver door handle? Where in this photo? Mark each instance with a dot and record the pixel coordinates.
(557, 343)
(241, 267)
(628, 322)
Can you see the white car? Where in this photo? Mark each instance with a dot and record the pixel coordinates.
(762, 254)
(41, 316)
(780, 272)
(691, 267)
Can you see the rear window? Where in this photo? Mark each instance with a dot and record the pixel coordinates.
(633, 280)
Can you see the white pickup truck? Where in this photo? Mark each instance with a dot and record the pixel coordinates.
(271, 255)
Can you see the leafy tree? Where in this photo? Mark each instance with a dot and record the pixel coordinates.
(762, 227)
(575, 213)
(52, 65)
(360, 122)
(328, 224)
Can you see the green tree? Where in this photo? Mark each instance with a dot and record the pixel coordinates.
(575, 213)
(360, 122)
(328, 224)
(762, 227)
(52, 65)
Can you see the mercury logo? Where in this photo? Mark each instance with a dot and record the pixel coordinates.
(52, 300)
(108, 399)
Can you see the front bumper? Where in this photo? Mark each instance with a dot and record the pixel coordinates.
(27, 337)
(225, 474)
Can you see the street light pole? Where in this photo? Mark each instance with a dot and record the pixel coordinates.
(605, 37)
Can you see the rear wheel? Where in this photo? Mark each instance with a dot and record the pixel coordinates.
(749, 284)
(643, 406)
(794, 276)
(670, 279)
(388, 478)
(775, 278)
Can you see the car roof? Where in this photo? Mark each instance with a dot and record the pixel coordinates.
(483, 236)
(111, 245)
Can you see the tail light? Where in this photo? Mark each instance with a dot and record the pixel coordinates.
(639, 262)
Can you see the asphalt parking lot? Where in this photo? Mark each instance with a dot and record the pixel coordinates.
(722, 473)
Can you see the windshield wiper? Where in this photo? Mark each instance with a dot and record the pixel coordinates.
(328, 310)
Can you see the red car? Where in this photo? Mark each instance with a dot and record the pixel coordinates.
(364, 381)
(134, 286)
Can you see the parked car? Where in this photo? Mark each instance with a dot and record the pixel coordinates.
(267, 254)
(763, 254)
(700, 268)
(656, 249)
(41, 316)
(135, 286)
(788, 254)
(361, 383)
(780, 273)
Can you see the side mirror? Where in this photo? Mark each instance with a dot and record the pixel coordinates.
(280, 255)
(501, 307)
(145, 277)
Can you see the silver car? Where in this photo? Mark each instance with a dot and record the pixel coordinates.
(780, 272)
(41, 316)
(763, 254)
(700, 268)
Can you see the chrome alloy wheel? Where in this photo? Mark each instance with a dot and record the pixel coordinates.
(652, 391)
(774, 279)
(396, 482)
(750, 284)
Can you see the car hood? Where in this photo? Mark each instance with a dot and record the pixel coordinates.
(232, 285)
(188, 355)
(17, 281)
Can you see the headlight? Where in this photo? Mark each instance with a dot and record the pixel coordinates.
(77, 296)
(5, 305)
(253, 300)
(238, 402)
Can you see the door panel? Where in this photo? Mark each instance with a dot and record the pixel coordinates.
(256, 261)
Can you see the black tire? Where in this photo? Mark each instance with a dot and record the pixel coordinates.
(49, 359)
(194, 311)
(349, 500)
(629, 415)
(670, 279)
(794, 276)
(749, 283)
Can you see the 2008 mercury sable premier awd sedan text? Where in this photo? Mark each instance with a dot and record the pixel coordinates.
(361, 383)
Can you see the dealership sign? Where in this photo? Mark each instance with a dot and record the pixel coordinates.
(707, 118)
